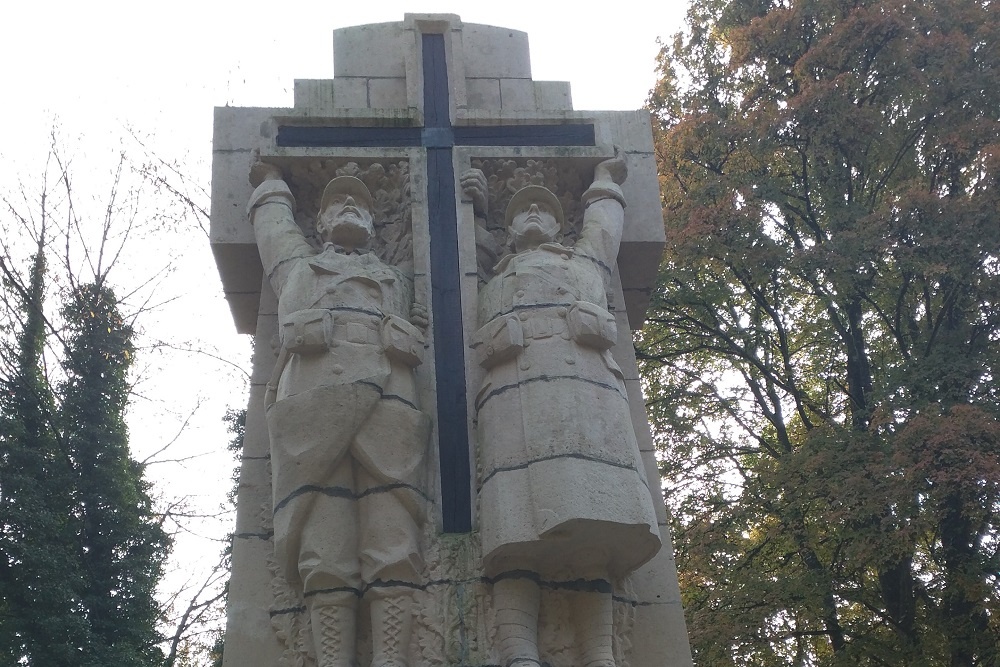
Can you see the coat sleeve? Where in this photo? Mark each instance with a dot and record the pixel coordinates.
(603, 222)
(279, 239)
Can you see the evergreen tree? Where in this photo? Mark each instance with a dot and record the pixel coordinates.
(81, 549)
(40, 572)
(122, 544)
(825, 339)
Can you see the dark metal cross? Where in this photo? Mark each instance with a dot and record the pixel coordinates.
(438, 137)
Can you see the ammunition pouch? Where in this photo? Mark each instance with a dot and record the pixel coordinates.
(591, 325)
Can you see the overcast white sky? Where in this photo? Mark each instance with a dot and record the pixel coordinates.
(99, 67)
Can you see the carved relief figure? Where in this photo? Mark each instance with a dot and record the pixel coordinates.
(563, 497)
(347, 437)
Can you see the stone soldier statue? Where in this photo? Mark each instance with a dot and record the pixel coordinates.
(347, 438)
(562, 494)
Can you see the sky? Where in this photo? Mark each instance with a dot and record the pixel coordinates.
(102, 74)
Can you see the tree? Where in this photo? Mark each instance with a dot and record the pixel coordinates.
(122, 544)
(823, 348)
(81, 548)
(40, 576)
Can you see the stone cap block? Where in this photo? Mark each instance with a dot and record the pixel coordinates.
(495, 52)
(372, 50)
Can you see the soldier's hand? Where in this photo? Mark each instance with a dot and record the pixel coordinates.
(474, 186)
(614, 169)
(263, 171)
(418, 315)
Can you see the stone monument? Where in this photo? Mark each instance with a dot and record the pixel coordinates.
(447, 459)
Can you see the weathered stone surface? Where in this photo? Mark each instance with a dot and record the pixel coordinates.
(495, 52)
(387, 93)
(483, 93)
(517, 95)
(344, 468)
(553, 96)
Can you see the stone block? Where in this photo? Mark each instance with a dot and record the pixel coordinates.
(553, 96)
(643, 238)
(254, 496)
(656, 581)
(642, 192)
(250, 639)
(623, 351)
(230, 193)
(243, 306)
(255, 442)
(483, 93)
(632, 128)
(268, 300)
(314, 96)
(387, 93)
(640, 420)
(264, 353)
(659, 635)
(517, 95)
(242, 128)
(239, 265)
(495, 52)
(653, 477)
(373, 50)
(350, 92)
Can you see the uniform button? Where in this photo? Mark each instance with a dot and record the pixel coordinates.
(520, 293)
(298, 340)
(337, 369)
(564, 256)
(523, 316)
(524, 365)
(561, 312)
(562, 290)
(490, 350)
(570, 360)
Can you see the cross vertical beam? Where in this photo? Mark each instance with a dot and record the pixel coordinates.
(446, 294)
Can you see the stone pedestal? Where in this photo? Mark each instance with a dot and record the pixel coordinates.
(378, 119)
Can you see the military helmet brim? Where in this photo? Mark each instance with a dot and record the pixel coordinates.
(530, 194)
(347, 185)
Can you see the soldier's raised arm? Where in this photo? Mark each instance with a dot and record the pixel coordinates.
(604, 214)
(272, 212)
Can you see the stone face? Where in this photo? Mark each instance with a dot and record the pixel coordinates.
(352, 475)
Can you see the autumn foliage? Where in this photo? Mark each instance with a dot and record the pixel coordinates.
(825, 339)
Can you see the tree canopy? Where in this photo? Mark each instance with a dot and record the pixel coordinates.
(825, 337)
(81, 547)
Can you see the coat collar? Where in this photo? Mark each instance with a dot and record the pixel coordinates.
(556, 248)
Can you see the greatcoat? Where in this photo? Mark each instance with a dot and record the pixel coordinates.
(562, 488)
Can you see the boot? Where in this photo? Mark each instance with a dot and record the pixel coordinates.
(516, 603)
(593, 623)
(392, 625)
(334, 626)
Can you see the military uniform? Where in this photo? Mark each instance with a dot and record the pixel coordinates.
(561, 481)
(347, 451)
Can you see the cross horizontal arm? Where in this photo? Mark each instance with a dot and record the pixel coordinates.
(581, 134)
